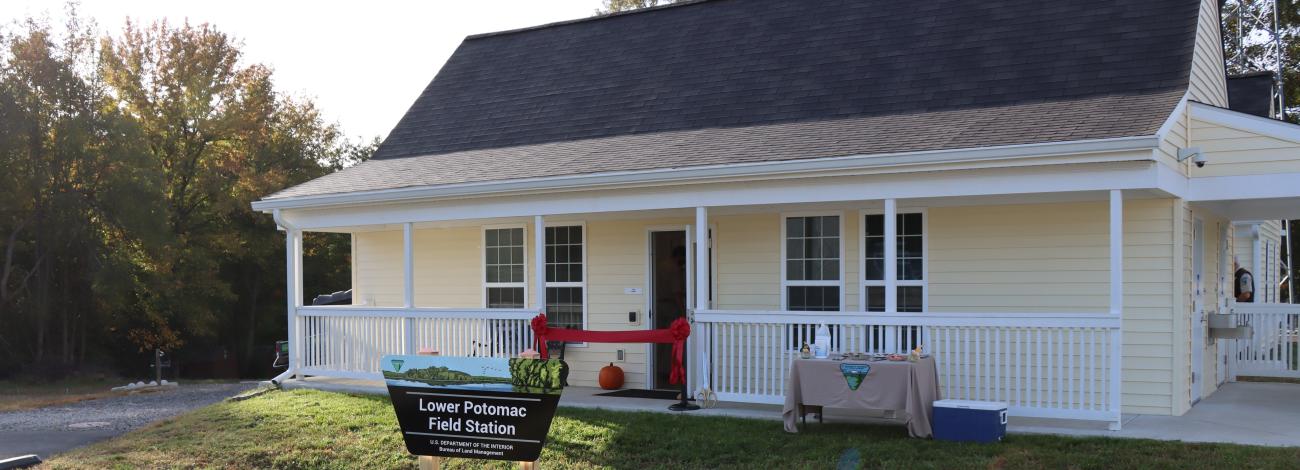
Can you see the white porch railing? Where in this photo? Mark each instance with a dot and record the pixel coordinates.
(1041, 365)
(1272, 349)
(348, 341)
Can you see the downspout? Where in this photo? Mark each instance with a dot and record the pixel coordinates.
(289, 231)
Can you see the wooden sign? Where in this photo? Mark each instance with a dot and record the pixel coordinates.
(473, 407)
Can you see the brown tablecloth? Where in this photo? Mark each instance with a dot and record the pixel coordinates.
(891, 385)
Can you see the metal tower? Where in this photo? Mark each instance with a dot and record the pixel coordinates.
(1252, 42)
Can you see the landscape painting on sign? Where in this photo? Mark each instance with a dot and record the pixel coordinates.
(474, 373)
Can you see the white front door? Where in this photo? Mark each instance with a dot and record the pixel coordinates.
(1198, 307)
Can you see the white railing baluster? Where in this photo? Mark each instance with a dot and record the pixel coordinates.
(1271, 351)
(1045, 365)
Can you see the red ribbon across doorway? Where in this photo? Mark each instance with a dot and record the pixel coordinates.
(676, 333)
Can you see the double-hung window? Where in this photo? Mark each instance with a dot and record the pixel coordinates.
(504, 262)
(812, 280)
(911, 282)
(565, 277)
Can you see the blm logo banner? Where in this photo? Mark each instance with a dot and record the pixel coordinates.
(854, 373)
(473, 407)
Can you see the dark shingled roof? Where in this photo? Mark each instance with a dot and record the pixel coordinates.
(734, 81)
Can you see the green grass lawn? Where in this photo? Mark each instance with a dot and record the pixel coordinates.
(22, 394)
(309, 429)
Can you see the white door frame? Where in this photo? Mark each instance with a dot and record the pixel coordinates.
(1223, 286)
(647, 318)
(1198, 308)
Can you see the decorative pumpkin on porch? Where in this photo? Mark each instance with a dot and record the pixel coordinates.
(611, 377)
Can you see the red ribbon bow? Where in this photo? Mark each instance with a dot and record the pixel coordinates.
(540, 329)
(676, 333)
(680, 329)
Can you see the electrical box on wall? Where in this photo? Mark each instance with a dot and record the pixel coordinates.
(621, 356)
(634, 317)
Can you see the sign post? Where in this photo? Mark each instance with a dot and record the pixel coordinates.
(473, 407)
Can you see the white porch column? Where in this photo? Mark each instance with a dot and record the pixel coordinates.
(408, 267)
(539, 263)
(891, 272)
(701, 258)
(1117, 303)
(408, 284)
(1116, 251)
(293, 286)
(891, 256)
(700, 346)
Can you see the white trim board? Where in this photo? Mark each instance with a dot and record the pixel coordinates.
(1246, 122)
(1139, 173)
(1230, 188)
(1048, 149)
(1172, 120)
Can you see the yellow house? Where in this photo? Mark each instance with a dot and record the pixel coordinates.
(1043, 198)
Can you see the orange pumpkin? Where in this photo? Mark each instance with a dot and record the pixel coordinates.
(611, 377)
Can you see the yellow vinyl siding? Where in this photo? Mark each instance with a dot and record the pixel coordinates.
(448, 268)
(1177, 137)
(1006, 258)
(1051, 258)
(379, 269)
(749, 262)
(617, 257)
(1235, 152)
(1208, 82)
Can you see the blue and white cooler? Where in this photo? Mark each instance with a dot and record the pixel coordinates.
(969, 420)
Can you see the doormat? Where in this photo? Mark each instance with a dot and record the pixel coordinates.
(639, 393)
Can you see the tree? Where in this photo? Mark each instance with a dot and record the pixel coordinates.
(74, 185)
(127, 166)
(1246, 19)
(615, 6)
(193, 103)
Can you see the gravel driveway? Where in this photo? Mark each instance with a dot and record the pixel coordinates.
(54, 429)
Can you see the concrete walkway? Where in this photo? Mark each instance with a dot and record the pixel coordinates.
(1240, 413)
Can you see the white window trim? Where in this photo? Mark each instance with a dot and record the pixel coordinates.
(785, 283)
(482, 256)
(924, 283)
(586, 240)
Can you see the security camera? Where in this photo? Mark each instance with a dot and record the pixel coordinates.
(1193, 153)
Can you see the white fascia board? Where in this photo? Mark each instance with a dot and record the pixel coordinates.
(1170, 180)
(1137, 173)
(1246, 122)
(1229, 188)
(592, 181)
(1172, 120)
